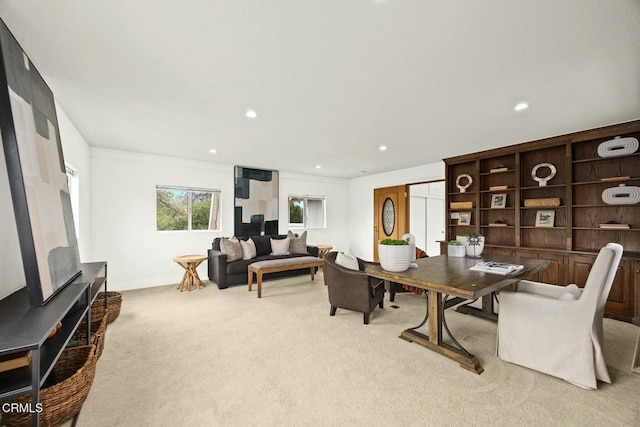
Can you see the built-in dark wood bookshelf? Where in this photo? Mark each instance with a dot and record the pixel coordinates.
(574, 198)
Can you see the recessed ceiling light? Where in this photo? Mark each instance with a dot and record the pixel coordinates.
(382, 148)
(251, 114)
(318, 167)
(213, 151)
(521, 106)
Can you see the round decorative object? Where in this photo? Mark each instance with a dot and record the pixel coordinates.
(621, 195)
(543, 181)
(395, 258)
(463, 187)
(388, 216)
(618, 147)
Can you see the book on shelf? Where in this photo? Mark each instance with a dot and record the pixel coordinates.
(615, 226)
(501, 268)
(498, 188)
(615, 178)
(494, 170)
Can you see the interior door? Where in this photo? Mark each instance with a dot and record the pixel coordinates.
(391, 214)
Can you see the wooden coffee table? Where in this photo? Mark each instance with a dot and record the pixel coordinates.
(190, 264)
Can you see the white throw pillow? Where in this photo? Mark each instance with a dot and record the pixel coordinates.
(347, 260)
(280, 247)
(570, 292)
(248, 249)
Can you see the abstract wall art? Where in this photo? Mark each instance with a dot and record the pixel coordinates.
(256, 201)
(36, 172)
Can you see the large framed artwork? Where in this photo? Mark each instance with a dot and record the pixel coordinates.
(37, 175)
(256, 201)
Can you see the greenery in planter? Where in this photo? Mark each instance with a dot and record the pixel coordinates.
(454, 243)
(394, 242)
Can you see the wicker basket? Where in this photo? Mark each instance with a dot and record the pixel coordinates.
(99, 328)
(114, 301)
(541, 203)
(461, 205)
(71, 380)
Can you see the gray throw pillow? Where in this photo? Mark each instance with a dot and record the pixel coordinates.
(298, 244)
(231, 247)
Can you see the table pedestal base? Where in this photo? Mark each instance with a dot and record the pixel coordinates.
(468, 362)
(486, 312)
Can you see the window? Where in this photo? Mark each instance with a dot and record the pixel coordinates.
(73, 182)
(308, 212)
(187, 209)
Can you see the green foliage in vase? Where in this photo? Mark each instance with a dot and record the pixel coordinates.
(454, 243)
(394, 242)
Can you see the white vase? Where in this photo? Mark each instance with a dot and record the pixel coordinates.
(394, 258)
(456, 251)
(473, 251)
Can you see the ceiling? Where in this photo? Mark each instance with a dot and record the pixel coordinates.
(332, 80)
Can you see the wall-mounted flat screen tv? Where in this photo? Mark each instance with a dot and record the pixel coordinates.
(37, 175)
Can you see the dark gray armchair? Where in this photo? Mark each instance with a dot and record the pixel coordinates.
(352, 289)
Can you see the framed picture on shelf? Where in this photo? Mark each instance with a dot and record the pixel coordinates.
(465, 218)
(498, 201)
(545, 218)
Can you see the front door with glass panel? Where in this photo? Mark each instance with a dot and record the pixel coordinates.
(391, 214)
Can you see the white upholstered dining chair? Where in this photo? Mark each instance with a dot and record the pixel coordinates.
(557, 330)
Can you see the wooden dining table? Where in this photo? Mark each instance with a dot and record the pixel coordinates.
(450, 282)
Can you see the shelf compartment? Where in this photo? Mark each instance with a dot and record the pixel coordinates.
(587, 151)
(528, 218)
(584, 239)
(497, 179)
(498, 162)
(499, 235)
(554, 155)
(613, 167)
(542, 237)
(469, 168)
(592, 217)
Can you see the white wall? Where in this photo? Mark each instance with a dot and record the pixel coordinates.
(361, 201)
(123, 201)
(77, 154)
(336, 193)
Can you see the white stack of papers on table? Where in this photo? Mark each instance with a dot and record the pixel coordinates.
(497, 267)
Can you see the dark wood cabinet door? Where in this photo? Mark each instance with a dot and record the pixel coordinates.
(555, 273)
(620, 301)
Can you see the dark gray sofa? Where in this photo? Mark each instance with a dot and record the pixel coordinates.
(225, 274)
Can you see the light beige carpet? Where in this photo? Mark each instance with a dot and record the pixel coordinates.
(226, 358)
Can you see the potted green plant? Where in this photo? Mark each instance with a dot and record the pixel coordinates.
(394, 254)
(456, 249)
